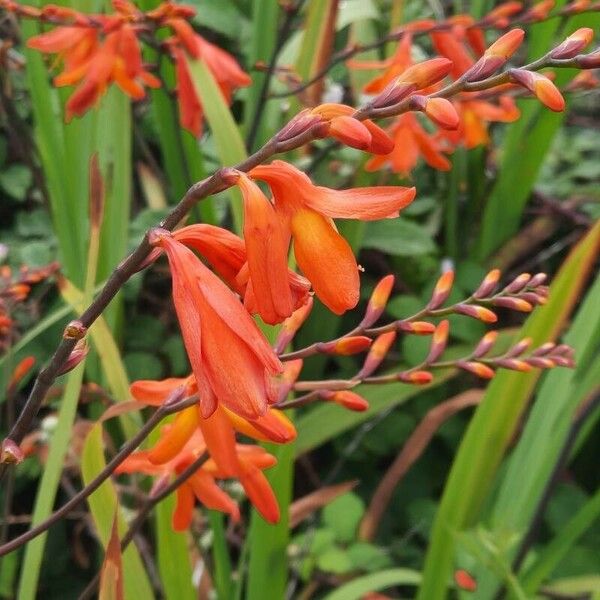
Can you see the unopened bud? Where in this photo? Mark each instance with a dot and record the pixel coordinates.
(346, 398)
(513, 304)
(346, 346)
(291, 372)
(541, 362)
(488, 285)
(77, 355)
(416, 327)
(477, 312)
(291, 325)
(10, 452)
(74, 331)
(589, 61)
(537, 279)
(377, 353)
(540, 86)
(477, 368)
(518, 284)
(439, 110)
(378, 300)
(519, 348)
(573, 44)
(392, 94)
(544, 349)
(442, 290)
(350, 132)
(438, 341)
(499, 16)
(496, 56)
(485, 344)
(20, 371)
(533, 298)
(301, 123)
(427, 73)
(415, 377)
(538, 12)
(513, 364)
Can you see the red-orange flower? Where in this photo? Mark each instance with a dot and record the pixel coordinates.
(305, 212)
(189, 436)
(93, 62)
(231, 359)
(226, 253)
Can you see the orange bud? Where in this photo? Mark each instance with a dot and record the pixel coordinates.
(351, 132)
(488, 285)
(442, 113)
(416, 377)
(589, 61)
(519, 348)
(416, 327)
(539, 85)
(542, 362)
(477, 368)
(515, 364)
(442, 290)
(377, 353)
(291, 325)
(346, 346)
(427, 73)
(378, 300)
(485, 344)
(513, 304)
(477, 312)
(518, 283)
(573, 44)
(499, 15)
(347, 399)
(538, 12)
(496, 55)
(439, 341)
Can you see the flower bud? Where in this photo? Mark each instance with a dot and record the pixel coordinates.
(442, 113)
(544, 349)
(11, 453)
(573, 44)
(291, 325)
(589, 61)
(519, 348)
(477, 368)
(537, 279)
(442, 290)
(291, 372)
(496, 56)
(464, 580)
(346, 346)
(500, 15)
(416, 327)
(378, 301)
(347, 399)
(513, 304)
(539, 85)
(427, 73)
(438, 341)
(77, 355)
(301, 123)
(514, 364)
(477, 312)
(538, 12)
(416, 377)
(485, 344)
(488, 285)
(20, 371)
(377, 353)
(540, 362)
(74, 331)
(518, 283)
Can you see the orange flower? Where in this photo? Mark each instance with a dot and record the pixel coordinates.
(305, 212)
(231, 359)
(95, 63)
(227, 73)
(412, 142)
(189, 436)
(226, 253)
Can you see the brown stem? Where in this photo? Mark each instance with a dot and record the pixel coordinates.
(411, 451)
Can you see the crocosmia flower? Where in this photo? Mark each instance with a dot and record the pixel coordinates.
(231, 359)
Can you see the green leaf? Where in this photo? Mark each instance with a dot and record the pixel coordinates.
(368, 557)
(334, 560)
(494, 423)
(375, 582)
(103, 504)
(399, 237)
(343, 515)
(15, 181)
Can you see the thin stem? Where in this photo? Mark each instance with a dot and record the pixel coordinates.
(107, 471)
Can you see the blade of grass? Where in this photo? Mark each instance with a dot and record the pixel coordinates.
(549, 558)
(228, 140)
(267, 563)
(103, 505)
(375, 582)
(221, 560)
(494, 423)
(173, 555)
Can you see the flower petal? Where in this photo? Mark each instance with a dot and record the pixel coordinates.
(326, 259)
(211, 495)
(184, 509)
(173, 439)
